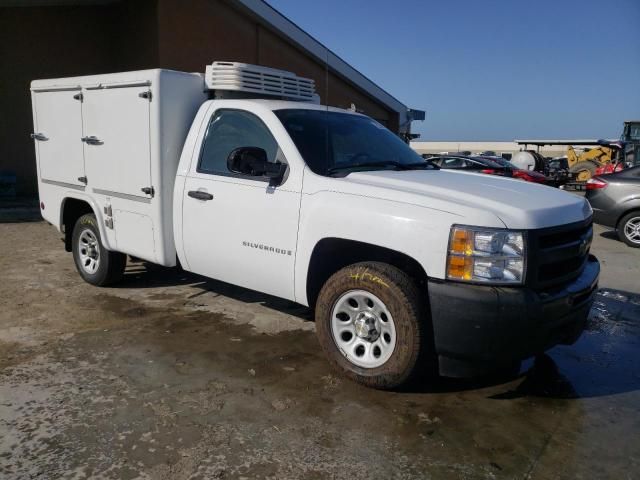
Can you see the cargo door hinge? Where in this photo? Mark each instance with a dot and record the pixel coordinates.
(82, 180)
(79, 96)
(146, 95)
(148, 191)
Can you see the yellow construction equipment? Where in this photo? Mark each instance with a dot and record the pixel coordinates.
(585, 163)
(590, 157)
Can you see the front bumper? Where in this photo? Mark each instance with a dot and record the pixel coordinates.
(480, 329)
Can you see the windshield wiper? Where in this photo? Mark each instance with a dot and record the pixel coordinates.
(365, 165)
(389, 163)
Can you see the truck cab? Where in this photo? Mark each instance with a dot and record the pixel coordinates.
(407, 267)
(631, 138)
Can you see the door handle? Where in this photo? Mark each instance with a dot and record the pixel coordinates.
(200, 195)
(39, 136)
(148, 191)
(92, 140)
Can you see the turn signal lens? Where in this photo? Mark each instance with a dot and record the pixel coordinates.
(461, 242)
(460, 267)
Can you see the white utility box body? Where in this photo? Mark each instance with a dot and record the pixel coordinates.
(114, 140)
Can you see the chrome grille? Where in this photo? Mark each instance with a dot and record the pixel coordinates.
(557, 255)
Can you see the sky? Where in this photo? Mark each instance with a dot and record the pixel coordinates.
(491, 70)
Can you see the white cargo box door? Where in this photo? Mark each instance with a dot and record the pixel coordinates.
(116, 146)
(58, 130)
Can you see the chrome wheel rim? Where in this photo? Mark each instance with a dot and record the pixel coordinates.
(89, 251)
(363, 329)
(632, 230)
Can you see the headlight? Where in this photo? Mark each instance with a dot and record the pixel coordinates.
(486, 255)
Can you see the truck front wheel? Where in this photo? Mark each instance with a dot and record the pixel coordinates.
(371, 324)
(95, 264)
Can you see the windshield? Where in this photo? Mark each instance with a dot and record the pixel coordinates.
(631, 132)
(500, 161)
(339, 143)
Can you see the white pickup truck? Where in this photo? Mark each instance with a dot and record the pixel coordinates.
(408, 267)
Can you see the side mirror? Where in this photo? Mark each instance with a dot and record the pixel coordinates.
(252, 161)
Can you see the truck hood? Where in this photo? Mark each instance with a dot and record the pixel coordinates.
(518, 204)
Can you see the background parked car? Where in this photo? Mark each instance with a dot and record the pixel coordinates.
(472, 164)
(610, 168)
(615, 199)
(527, 175)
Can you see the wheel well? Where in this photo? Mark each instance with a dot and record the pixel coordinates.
(624, 214)
(332, 254)
(72, 210)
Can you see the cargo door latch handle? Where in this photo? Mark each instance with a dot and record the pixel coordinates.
(91, 140)
(39, 136)
(148, 191)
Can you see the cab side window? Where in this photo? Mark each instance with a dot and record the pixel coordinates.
(453, 163)
(230, 129)
(472, 164)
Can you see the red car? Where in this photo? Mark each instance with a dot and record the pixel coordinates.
(527, 175)
(610, 168)
(488, 165)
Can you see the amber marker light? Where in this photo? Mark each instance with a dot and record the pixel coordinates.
(461, 242)
(460, 267)
(459, 262)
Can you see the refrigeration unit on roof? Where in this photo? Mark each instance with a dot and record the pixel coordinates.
(255, 80)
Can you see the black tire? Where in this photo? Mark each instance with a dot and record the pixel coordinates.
(402, 299)
(586, 166)
(109, 266)
(623, 227)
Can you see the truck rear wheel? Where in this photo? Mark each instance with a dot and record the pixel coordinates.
(95, 264)
(370, 323)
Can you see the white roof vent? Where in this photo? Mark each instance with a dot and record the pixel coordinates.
(254, 79)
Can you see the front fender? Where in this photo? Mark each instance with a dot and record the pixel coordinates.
(418, 232)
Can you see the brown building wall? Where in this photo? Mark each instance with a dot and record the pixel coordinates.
(207, 30)
(50, 42)
(275, 52)
(135, 36)
(63, 41)
(40, 43)
(218, 31)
